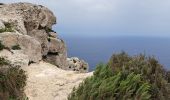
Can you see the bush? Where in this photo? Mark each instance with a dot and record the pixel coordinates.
(106, 85)
(12, 81)
(149, 69)
(8, 28)
(123, 77)
(1, 46)
(16, 47)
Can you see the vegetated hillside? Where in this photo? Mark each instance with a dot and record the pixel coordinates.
(125, 78)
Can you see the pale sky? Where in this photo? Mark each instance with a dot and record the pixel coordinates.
(109, 17)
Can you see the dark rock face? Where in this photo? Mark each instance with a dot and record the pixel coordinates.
(33, 23)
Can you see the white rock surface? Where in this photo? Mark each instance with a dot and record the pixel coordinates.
(47, 82)
(29, 45)
(16, 57)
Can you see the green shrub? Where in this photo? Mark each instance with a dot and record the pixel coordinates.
(1, 46)
(149, 69)
(16, 47)
(106, 85)
(8, 28)
(12, 81)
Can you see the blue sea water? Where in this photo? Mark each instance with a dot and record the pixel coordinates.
(96, 50)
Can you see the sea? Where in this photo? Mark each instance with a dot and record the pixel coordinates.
(95, 50)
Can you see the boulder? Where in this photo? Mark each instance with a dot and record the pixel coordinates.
(27, 16)
(57, 45)
(57, 59)
(16, 57)
(42, 37)
(76, 64)
(29, 45)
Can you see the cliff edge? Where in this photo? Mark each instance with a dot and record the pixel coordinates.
(29, 27)
(27, 40)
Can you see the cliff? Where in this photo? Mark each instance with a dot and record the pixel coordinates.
(29, 27)
(27, 40)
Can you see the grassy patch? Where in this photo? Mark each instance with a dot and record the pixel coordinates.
(16, 47)
(1, 46)
(8, 28)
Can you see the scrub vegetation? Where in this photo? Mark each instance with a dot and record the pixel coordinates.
(125, 78)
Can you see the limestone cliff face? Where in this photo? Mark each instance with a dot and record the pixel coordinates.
(30, 27)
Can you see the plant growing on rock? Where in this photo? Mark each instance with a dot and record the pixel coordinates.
(16, 47)
(12, 81)
(8, 28)
(1, 46)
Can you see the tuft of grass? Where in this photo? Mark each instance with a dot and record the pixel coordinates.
(16, 47)
(1, 46)
(3, 62)
(8, 28)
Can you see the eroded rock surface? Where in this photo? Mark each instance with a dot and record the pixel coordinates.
(76, 64)
(30, 27)
(28, 40)
(47, 82)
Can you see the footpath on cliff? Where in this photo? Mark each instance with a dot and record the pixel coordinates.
(47, 82)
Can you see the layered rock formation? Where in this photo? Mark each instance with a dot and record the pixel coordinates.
(29, 26)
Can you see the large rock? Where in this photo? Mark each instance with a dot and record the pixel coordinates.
(57, 59)
(16, 57)
(42, 37)
(57, 45)
(76, 64)
(29, 45)
(30, 27)
(27, 16)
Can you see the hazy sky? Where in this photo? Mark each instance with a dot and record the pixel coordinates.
(109, 17)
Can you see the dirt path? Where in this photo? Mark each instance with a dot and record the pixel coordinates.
(47, 82)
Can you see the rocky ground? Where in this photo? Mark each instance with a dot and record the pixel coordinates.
(47, 82)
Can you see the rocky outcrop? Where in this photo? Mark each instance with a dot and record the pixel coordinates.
(16, 57)
(28, 45)
(76, 64)
(29, 26)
